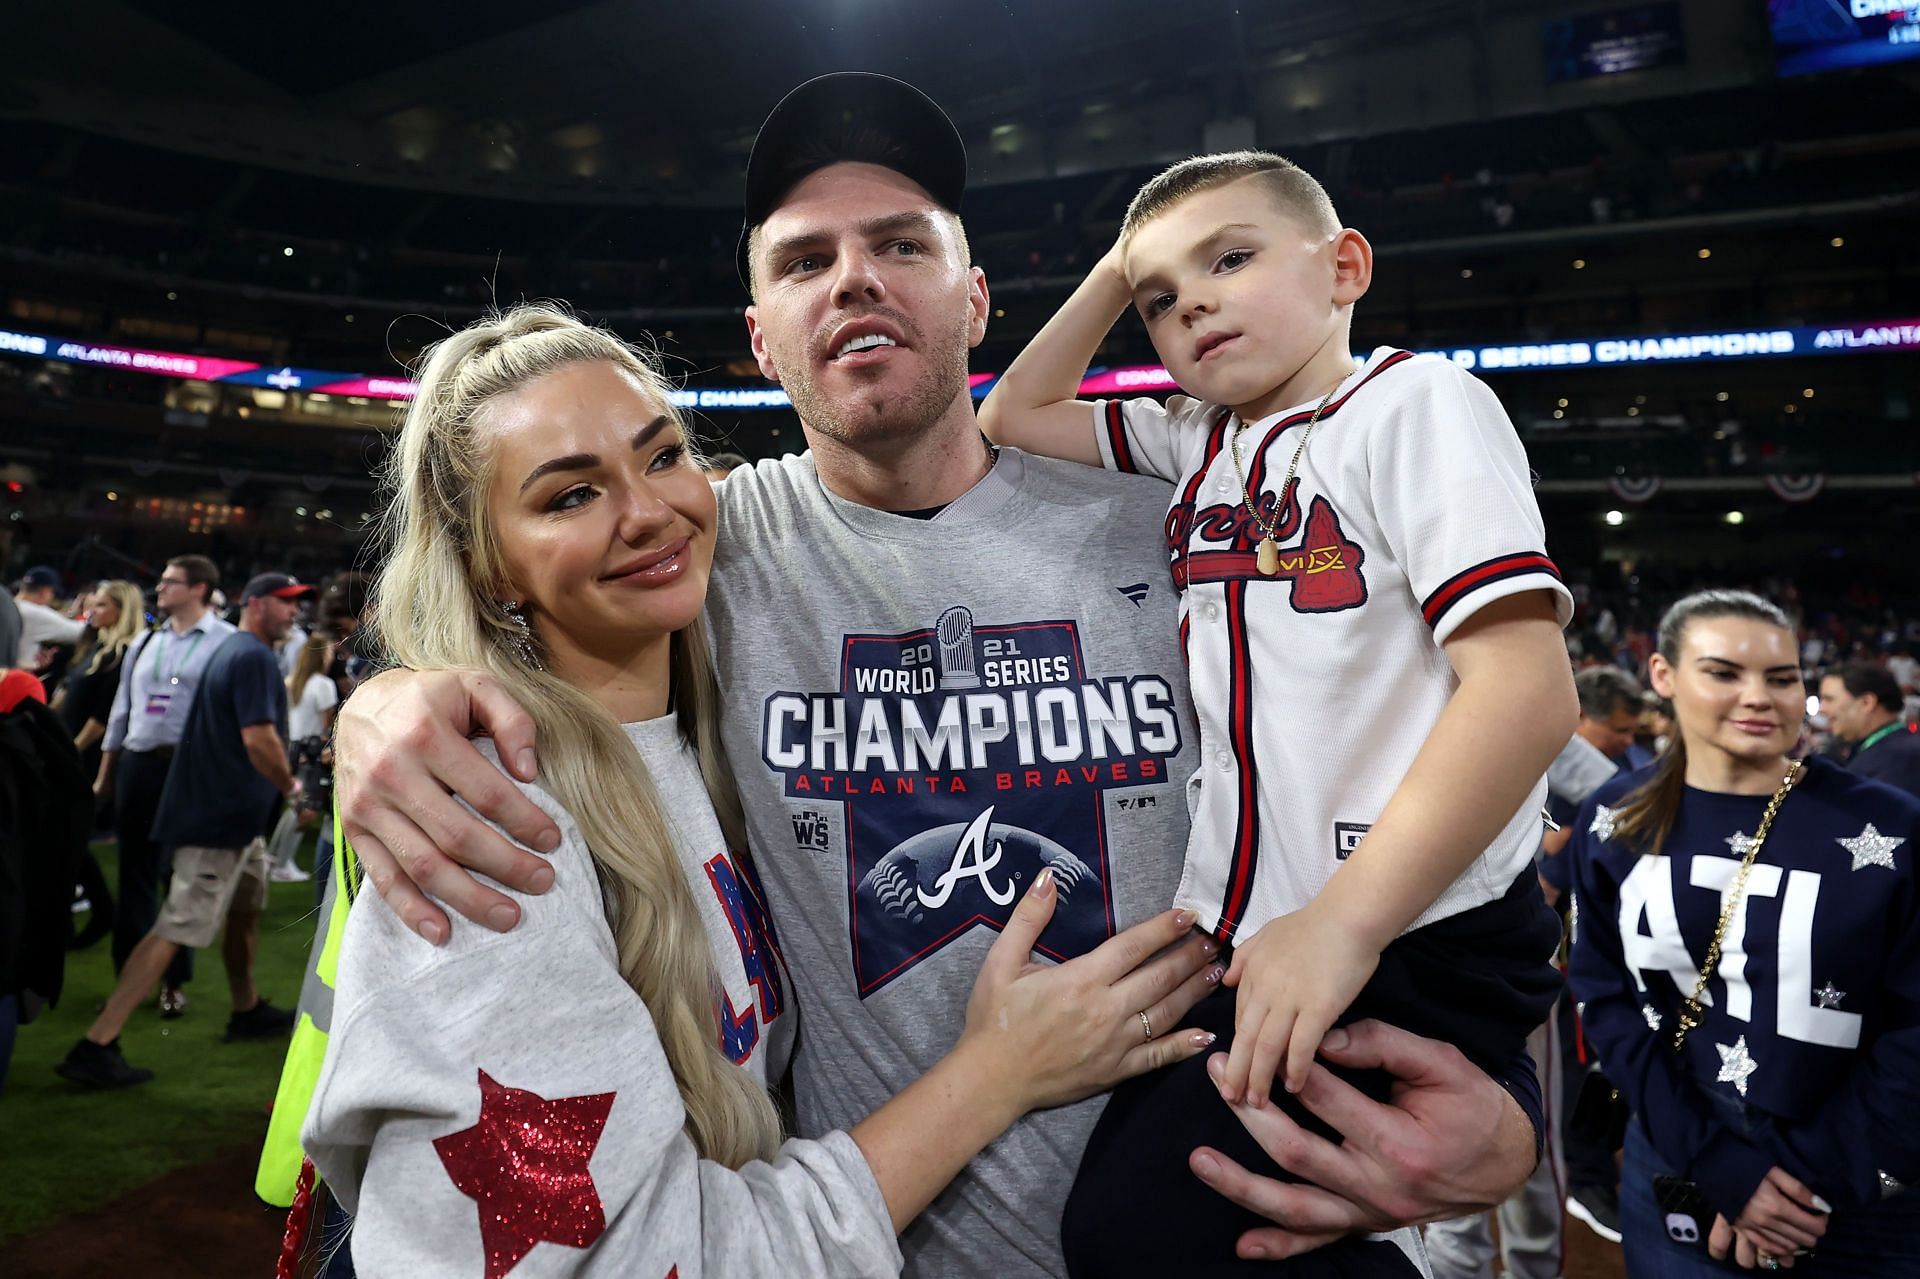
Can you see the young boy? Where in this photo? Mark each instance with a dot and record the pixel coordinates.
(1372, 629)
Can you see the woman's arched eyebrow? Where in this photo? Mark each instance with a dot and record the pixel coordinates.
(587, 461)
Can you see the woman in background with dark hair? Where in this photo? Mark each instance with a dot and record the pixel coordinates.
(1747, 957)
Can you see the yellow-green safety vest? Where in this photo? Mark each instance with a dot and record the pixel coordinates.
(281, 1156)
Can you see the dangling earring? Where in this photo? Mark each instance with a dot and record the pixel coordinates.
(522, 635)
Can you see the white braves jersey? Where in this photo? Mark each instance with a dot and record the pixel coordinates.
(1316, 687)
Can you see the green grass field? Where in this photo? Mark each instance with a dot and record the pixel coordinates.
(64, 1149)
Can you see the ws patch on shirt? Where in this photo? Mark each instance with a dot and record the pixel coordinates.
(966, 757)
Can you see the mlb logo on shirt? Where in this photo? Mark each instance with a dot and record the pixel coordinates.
(1347, 837)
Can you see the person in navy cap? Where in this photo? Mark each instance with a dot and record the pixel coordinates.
(230, 767)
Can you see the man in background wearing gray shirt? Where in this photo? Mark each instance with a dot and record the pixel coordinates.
(946, 668)
(157, 682)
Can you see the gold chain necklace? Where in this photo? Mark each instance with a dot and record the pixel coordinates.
(1267, 556)
(1690, 1015)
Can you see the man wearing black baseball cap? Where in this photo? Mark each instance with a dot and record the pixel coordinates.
(946, 669)
(230, 766)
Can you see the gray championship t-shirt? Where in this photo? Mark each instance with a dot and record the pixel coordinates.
(923, 714)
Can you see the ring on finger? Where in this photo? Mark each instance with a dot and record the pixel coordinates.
(1146, 1024)
(1769, 1262)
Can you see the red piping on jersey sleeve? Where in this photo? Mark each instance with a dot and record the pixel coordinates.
(1465, 582)
(1117, 438)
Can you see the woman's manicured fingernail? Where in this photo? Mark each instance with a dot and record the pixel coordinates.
(1214, 974)
(1203, 1038)
(1183, 919)
(1822, 1204)
(502, 917)
(1208, 946)
(1043, 884)
(433, 931)
(525, 763)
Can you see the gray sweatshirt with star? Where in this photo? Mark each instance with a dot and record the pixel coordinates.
(501, 1104)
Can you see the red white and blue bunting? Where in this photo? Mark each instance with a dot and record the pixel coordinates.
(1797, 488)
(1638, 489)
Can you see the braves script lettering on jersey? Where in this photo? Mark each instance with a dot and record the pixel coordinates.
(923, 714)
(1316, 687)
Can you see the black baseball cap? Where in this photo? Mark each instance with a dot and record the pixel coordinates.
(279, 585)
(851, 115)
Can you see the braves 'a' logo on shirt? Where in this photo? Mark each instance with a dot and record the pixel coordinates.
(966, 758)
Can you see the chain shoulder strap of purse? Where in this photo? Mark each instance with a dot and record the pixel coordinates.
(1690, 1014)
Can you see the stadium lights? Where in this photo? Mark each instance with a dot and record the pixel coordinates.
(349, 319)
(112, 496)
(1633, 410)
(1793, 408)
(1616, 518)
(1838, 242)
(1735, 517)
(1466, 273)
(1704, 254)
(287, 252)
(1722, 396)
(1806, 393)
(1563, 401)
(1579, 264)
(300, 511)
(172, 296)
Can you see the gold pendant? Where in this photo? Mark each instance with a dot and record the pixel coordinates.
(1267, 558)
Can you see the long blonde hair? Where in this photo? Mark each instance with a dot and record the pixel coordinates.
(308, 662)
(112, 642)
(438, 609)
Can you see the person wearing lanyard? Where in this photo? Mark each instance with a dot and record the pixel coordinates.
(157, 684)
(1746, 956)
(1864, 705)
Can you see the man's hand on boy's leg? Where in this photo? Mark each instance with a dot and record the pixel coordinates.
(1452, 1141)
(1294, 976)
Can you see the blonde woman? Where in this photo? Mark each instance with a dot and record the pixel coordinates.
(116, 613)
(592, 1085)
(311, 700)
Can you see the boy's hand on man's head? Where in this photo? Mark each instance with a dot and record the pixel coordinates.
(1295, 976)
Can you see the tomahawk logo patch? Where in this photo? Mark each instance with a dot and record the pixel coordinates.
(966, 758)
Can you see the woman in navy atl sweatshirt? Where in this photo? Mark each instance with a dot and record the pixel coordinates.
(1794, 1106)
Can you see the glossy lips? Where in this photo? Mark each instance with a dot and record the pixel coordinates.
(654, 567)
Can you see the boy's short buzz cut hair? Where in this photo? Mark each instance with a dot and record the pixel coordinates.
(1297, 192)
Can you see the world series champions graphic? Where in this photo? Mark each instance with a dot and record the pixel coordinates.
(966, 758)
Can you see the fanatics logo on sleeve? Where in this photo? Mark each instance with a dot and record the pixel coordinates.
(966, 758)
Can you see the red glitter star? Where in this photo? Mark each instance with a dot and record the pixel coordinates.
(525, 1164)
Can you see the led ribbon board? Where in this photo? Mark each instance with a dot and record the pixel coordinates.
(1141, 379)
